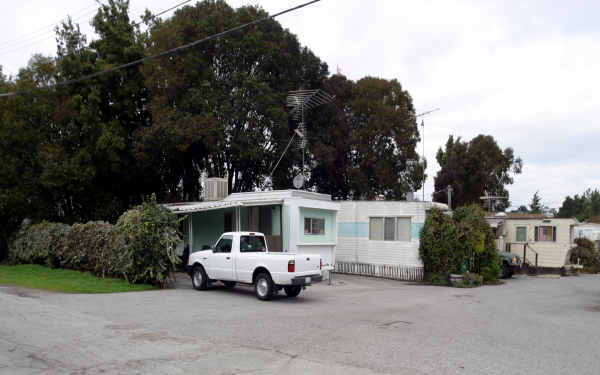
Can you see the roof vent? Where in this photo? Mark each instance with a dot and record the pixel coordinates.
(215, 189)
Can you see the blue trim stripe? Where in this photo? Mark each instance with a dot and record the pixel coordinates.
(356, 229)
(361, 229)
(416, 230)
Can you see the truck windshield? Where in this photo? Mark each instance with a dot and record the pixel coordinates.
(252, 244)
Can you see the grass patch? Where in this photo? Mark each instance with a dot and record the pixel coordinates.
(61, 280)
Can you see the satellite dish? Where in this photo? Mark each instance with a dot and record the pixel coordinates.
(299, 181)
(268, 183)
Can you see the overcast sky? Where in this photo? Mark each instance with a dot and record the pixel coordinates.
(525, 72)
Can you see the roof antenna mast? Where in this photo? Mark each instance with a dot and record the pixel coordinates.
(299, 102)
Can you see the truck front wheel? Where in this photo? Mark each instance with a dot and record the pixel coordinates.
(292, 291)
(263, 287)
(199, 278)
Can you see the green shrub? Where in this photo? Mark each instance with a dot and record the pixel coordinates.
(479, 244)
(491, 272)
(38, 244)
(471, 280)
(150, 236)
(586, 254)
(466, 238)
(94, 246)
(438, 244)
(140, 248)
(442, 279)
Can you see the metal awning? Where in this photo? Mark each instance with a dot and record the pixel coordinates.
(189, 207)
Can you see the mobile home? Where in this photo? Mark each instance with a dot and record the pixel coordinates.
(381, 238)
(291, 220)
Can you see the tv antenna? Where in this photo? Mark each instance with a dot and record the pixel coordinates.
(299, 102)
(423, 138)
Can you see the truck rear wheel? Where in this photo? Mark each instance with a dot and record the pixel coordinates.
(292, 291)
(263, 287)
(199, 278)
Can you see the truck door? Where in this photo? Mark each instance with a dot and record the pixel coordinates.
(220, 265)
(252, 250)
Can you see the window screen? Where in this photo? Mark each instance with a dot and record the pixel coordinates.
(376, 228)
(390, 228)
(318, 226)
(314, 226)
(521, 234)
(390, 223)
(545, 233)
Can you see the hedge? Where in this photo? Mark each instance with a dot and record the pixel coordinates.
(140, 248)
(585, 253)
(454, 244)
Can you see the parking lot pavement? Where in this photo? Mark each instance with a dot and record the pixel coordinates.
(355, 326)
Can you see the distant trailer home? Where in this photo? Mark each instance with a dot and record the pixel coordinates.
(542, 242)
(292, 221)
(381, 238)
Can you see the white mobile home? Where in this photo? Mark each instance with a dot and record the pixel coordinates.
(292, 221)
(381, 238)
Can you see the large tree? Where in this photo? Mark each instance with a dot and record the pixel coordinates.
(220, 106)
(363, 144)
(89, 171)
(536, 204)
(583, 207)
(473, 169)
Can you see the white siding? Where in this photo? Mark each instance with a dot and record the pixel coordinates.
(550, 254)
(360, 211)
(359, 249)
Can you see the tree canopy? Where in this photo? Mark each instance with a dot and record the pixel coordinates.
(584, 207)
(536, 204)
(363, 144)
(92, 149)
(474, 168)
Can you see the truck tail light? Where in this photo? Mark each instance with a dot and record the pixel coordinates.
(292, 266)
(321, 263)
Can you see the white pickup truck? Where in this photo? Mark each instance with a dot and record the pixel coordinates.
(243, 257)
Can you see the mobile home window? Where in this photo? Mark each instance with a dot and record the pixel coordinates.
(314, 226)
(521, 234)
(545, 233)
(389, 228)
(376, 228)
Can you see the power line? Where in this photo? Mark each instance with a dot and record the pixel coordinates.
(38, 36)
(16, 47)
(160, 54)
(43, 29)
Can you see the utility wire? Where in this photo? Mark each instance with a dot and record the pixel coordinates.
(16, 48)
(160, 54)
(18, 45)
(42, 30)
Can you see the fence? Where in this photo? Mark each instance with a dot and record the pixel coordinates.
(385, 271)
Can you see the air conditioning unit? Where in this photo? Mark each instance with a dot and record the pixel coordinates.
(215, 189)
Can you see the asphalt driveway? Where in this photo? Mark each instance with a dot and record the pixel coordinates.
(356, 326)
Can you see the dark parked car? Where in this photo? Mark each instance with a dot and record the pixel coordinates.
(511, 263)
